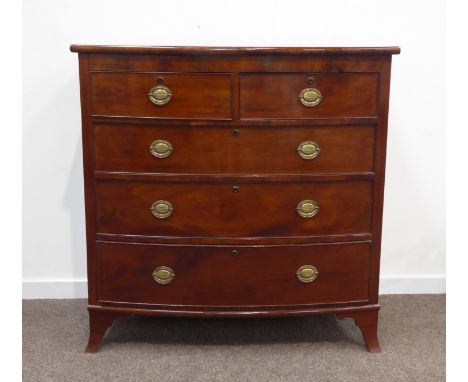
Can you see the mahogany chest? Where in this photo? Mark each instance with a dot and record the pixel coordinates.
(233, 182)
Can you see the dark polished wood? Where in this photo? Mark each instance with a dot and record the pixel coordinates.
(237, 150)
(229, 178)
(305, 64)
(240, 275)
(275, 96)
(215, 50)
(232, 312)
(332, 121)
(194, 96)
(367, 322)
(234, 240)
(99, 322)
(88, 173)
(251, 240)
(215, 210)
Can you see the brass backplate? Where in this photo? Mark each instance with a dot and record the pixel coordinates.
(310, 97)
(163, 275)
(308, 150)
(307, 208)
(161, 209)
(307, 273)
(160, 95)
(161, 148)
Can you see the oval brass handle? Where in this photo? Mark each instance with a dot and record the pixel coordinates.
(307, 208)
(307, 273)
(161, 209)
(163, 275)
(308, 150)
(161, 148)
(160, 95)
(310, 97)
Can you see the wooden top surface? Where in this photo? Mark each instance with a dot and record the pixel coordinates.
(188, 50)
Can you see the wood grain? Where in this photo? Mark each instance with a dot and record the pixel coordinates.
(214, 210)
(215, 92)
(194, 96)
(256, 276)
(222, 150)
(213, 50)
(276, 96)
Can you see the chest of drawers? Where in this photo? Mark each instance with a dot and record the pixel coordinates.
(233, 182)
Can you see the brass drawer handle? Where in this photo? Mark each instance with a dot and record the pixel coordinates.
(310, 97)
(307, 208)
(163, 275)
(160, 95)
(161, 209)
(161, 148)
(308, 150)
(307, 273)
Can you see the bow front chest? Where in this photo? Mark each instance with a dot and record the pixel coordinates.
(233, 182)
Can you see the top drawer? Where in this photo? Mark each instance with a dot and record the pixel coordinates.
(163, 95)
(307, 96)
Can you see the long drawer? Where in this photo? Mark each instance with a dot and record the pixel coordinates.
(228, 210)
(240, 150)
(233, 276)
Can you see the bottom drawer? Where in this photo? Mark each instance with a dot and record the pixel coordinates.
(232, 276)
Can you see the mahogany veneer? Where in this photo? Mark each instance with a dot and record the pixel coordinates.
(198, 95)
(343, 149)
(234, 182)
(214, 210)
(282, 90)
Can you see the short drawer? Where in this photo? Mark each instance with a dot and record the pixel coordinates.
(233, 276)
(162, 95)
(240, 150)
(308, 96)
(233, 210)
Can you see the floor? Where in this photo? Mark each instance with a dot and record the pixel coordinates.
(411, 331)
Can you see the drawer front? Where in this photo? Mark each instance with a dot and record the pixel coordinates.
(241, 150)
(212, 276)
(222, 210)
(277, 96)
(192, 96)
